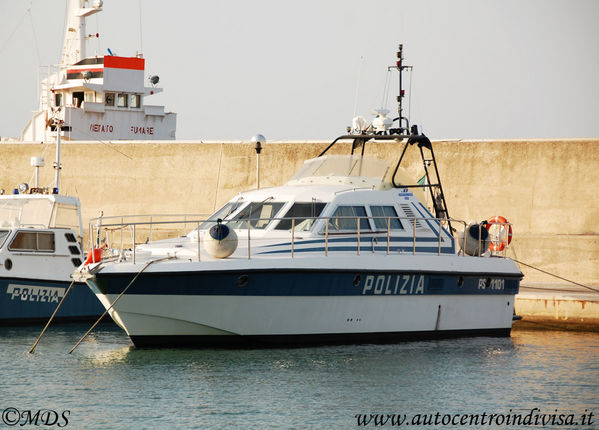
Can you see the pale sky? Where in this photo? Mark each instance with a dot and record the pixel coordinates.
(290, 70)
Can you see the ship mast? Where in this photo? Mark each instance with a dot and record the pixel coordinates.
(400, 68)
(75, 36)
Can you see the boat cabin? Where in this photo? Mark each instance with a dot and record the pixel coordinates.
(338, 195)
(39, 224)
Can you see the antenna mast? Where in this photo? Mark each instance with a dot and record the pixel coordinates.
(400, 68)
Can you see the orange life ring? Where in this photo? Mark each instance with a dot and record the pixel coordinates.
(497, 219)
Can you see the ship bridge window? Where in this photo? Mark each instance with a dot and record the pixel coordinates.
(304, 214)
(345, 218)
(77, 98)
(259, 214)
(135, 100)
(121, 100)
(32, 241)
(109, 99)
(3, 236)
(58, 99)
(380, 215)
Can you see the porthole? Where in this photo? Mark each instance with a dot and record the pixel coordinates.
(8, 264)
(242, 281)
(356, 280)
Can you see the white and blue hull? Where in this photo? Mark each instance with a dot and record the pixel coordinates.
(304, 303)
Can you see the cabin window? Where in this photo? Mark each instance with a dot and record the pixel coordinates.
(77, 98)
(122, 100)
(346, 218)
(222, 213)
(135, 100)
(304, 214)
(260, 215)
(89, 96)
(380, 214)
(109, 99)
(3, 236)
(32, 241)
(58, 99)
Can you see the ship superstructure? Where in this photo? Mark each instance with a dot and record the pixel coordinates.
(98, 97)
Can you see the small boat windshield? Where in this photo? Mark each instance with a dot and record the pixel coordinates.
(39, 213)
(222, 213)
(25, 212)
(259, 214)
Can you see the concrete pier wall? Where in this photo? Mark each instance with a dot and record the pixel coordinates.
(548, 189)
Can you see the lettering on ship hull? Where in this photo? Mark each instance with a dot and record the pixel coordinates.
(101, 128)
(142, 130)
(32, 293)
(393, 284)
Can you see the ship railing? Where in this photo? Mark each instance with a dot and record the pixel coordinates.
(152, 226)
(108, 226)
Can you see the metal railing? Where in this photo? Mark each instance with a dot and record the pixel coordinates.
(435, 229)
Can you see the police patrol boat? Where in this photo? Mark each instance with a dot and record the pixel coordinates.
(101, 97)
(40, 244)
(345, 251)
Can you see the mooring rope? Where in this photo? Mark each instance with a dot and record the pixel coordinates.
(51, 318)
(556, 276)
(117, 299)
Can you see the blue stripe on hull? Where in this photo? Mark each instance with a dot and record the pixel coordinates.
(270, 341)
(305, 283)
(363, 248)
(28, 300)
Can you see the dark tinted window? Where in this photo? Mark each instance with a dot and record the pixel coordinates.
(303, 212)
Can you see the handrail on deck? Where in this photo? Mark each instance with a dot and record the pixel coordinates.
(413, 222)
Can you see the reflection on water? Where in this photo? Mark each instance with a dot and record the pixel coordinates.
(107, 382)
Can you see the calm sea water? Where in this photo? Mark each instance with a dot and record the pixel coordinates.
(107, 383)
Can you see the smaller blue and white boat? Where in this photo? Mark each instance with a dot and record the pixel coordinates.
(345, 251)
(41, 238)
(39, 249)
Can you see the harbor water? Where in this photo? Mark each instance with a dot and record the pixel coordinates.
(108, 383)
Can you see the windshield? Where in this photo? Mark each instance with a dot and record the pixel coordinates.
(222, 213)
(260, 215)
(25, 212)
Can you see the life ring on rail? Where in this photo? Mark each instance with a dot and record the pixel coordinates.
(499, 245)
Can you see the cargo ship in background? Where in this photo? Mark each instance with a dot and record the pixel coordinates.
(96, 97)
